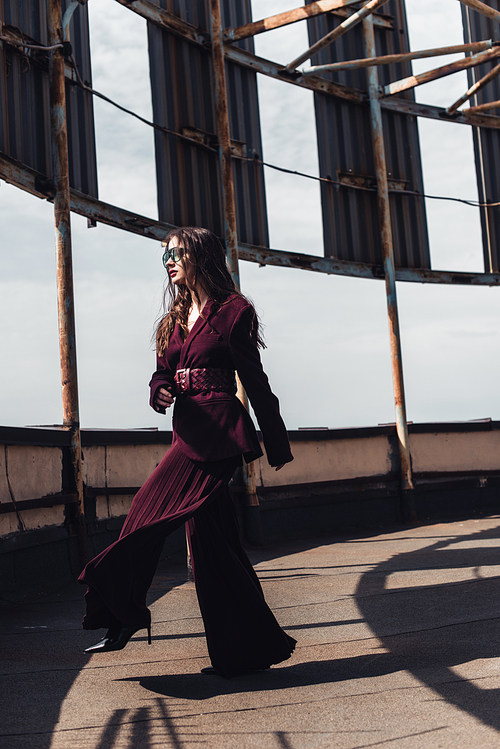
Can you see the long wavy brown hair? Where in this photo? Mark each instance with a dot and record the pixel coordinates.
(208, 260)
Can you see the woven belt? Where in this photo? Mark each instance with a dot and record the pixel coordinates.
(192, 381)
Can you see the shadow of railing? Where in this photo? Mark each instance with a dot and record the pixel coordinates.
(445, 614)
(434, 627)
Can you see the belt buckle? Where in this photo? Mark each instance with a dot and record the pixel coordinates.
(183, 379)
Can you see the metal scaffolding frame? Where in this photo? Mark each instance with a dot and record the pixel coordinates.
(223, 44)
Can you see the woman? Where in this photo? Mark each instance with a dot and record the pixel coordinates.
(210, 331)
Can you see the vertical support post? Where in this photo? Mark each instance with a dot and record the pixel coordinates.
(230, 227)
(388, 258)
(64, 266)
(223, 132)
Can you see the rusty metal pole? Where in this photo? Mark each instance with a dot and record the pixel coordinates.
(368, 62)
(474, 89)
(388, 257)
(222, 117)
(65, 299)
(230, 228)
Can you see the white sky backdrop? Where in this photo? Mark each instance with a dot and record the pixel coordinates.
(328, 351)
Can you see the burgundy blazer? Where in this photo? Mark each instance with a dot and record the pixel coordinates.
(212, 426)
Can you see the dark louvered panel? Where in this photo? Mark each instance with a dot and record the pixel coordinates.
(350, 217)
(24, 96)
(80, 110)
(188, 174)
(486, 140)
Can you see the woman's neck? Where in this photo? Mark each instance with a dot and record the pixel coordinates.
(198, 303)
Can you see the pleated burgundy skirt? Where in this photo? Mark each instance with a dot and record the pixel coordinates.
(242, 633)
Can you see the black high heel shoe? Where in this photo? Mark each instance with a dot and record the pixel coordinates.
(115, 639)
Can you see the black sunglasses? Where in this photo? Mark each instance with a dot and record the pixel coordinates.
(171, 254)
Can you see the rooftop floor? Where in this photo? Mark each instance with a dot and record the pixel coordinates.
(398, 645)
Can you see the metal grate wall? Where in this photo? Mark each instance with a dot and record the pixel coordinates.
(350, 217)
(24, 95)
(188, 172)
(486, 140)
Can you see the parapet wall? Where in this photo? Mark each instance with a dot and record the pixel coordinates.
(339, 479)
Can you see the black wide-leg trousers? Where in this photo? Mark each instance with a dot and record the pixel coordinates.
(241, 631)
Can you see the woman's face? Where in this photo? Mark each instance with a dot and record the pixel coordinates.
(180, 271)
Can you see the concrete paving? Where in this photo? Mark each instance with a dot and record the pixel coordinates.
(398, 644)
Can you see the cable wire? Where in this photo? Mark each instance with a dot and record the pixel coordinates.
(473, 203)
(21, 45)
(134, 114)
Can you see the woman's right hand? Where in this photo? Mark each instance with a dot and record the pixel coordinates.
(163, 399)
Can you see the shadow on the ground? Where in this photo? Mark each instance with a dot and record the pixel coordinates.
(435, 627)
(202, 687)
(41, 652)
(431, 623)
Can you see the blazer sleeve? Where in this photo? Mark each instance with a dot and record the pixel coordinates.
(247, 362)
(163, 377)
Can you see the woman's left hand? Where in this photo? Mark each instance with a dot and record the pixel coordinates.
(163, 398)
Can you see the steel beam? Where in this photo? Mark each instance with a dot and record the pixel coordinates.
(440, 113)
(343, 28)
(168, 21)
(482, 8)
(65, 296)
(481, 108)
(388, 258)
(30, 181)
(275, 70)
(367, 62)
(171, 23)
(431, 75)
(324, 86)
(284, 19)
(474, 89)
(379, 20)
(333, 266)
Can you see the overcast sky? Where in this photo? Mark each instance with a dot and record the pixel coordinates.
(328, 349)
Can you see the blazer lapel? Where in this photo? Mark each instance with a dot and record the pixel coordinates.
(197, 328)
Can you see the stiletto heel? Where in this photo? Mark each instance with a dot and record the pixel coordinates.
(116, 639)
